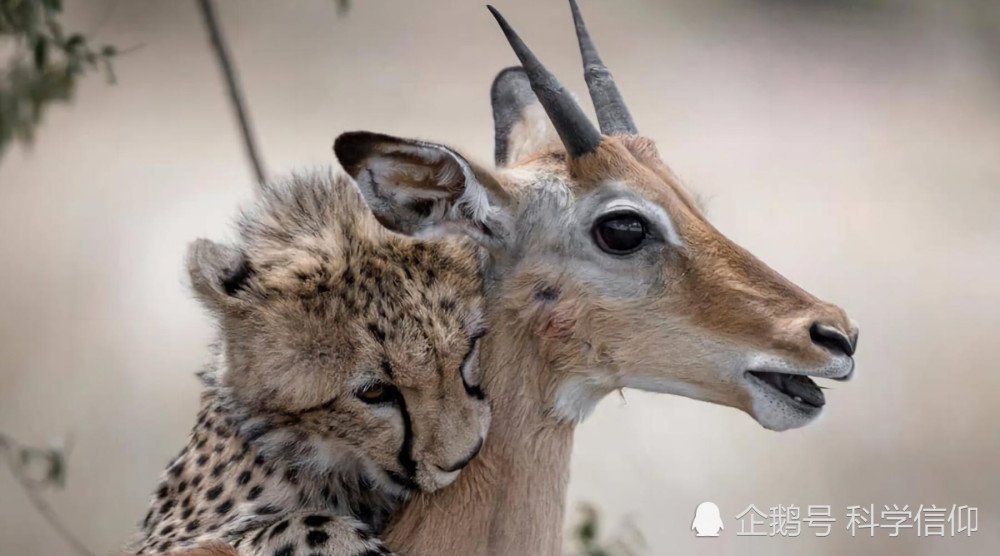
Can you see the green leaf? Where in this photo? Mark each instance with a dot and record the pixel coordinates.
(587, 531)
(42, 69)
(53, 5)
(75, 40)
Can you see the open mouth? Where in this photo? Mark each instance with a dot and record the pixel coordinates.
(799, 389)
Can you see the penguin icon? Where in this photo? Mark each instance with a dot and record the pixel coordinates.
(707, 520)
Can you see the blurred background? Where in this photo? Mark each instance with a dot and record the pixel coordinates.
(854, 145)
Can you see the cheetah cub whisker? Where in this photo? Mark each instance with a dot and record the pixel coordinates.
(345, 376)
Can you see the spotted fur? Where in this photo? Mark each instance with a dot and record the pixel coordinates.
(317, 306)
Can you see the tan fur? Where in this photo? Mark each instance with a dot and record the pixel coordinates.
(209, 549)
(689, 319)
(601, 273)
(315, 304)
(339, 292)
(531, 133)
(510, 499)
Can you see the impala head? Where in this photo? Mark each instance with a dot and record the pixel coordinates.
(601, 262)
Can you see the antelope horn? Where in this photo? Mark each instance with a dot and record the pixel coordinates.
(612, 114)
(578, 134)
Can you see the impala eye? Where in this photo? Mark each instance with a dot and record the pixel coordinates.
(620, 233)
(378, 392)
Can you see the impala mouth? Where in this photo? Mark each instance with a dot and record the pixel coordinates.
(799, 390)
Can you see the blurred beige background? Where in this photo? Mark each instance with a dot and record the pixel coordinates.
(856, 150)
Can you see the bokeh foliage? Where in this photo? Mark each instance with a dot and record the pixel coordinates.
(587, 538)
(44, 65)
(37, 470)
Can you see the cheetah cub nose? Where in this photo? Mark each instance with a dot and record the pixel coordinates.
(446, 475)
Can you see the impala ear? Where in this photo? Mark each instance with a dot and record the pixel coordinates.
(521, 127)
(424, 189)
(218, 273)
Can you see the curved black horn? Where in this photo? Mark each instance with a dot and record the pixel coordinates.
(612, 113)
(578, 134)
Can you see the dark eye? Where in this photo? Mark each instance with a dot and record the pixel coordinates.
(378, 392)
(621, 233)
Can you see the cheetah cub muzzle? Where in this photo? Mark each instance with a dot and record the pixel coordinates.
(345, 376)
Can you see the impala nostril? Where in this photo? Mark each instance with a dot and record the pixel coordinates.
(832, 339)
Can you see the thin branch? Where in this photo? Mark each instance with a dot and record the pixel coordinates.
(105, 18)
(6, 447)
(235, 93)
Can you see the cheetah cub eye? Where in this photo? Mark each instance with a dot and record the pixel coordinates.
(378, 392)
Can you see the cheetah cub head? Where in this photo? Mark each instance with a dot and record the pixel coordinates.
(346, 349)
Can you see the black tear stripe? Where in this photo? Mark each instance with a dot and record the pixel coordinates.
(406, 450)
(474, 391)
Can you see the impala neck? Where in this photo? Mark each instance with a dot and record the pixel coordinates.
(510, 499)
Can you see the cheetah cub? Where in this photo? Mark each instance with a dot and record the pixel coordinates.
(345, 377)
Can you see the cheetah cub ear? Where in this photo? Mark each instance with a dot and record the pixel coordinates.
(218, 274)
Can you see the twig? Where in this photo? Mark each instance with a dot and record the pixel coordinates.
(235, 93)
(104, 18)
(6, 447)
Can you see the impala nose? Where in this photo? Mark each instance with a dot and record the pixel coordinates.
(833, 339)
